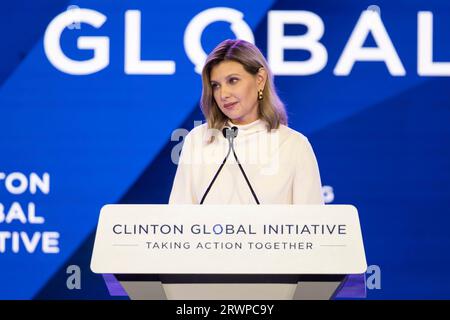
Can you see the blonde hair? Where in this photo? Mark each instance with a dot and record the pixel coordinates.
(271, 108)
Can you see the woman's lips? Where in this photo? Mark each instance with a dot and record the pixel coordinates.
(229, 105)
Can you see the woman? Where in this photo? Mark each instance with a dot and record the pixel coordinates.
(277, 162)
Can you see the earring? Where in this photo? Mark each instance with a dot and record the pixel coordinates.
(260, 94)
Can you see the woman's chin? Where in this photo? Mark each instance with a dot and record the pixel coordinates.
(233, 116)
(235, 119)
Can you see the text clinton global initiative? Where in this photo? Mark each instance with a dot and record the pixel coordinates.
(202, 229)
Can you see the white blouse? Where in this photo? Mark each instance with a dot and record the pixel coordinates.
(280, 165)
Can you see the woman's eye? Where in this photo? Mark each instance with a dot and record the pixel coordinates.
(214, 86)
(234, 80)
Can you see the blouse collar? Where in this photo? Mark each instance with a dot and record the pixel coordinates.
(249, 128)
(244, 130)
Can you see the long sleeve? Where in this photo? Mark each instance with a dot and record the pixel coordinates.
(307, 187)
(182, 188)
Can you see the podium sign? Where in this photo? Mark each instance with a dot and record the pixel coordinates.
(229, 239)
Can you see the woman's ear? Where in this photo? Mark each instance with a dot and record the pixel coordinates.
(261, 78)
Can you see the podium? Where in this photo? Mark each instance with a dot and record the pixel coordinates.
(229, 252)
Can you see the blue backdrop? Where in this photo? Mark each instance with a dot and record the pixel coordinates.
(86, 138)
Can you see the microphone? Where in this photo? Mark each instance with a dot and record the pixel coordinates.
(230, 134)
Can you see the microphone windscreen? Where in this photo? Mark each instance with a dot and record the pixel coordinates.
(234, 131)
(225, 132)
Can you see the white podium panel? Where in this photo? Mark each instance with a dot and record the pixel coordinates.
(145, 245)
(231, 239)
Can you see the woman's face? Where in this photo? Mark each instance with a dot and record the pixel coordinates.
(236, 91)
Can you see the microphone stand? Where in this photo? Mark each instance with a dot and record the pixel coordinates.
(230, 134)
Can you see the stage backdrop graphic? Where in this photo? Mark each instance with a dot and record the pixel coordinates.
(93, 94)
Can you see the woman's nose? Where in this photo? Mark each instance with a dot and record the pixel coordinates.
(224, 93)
